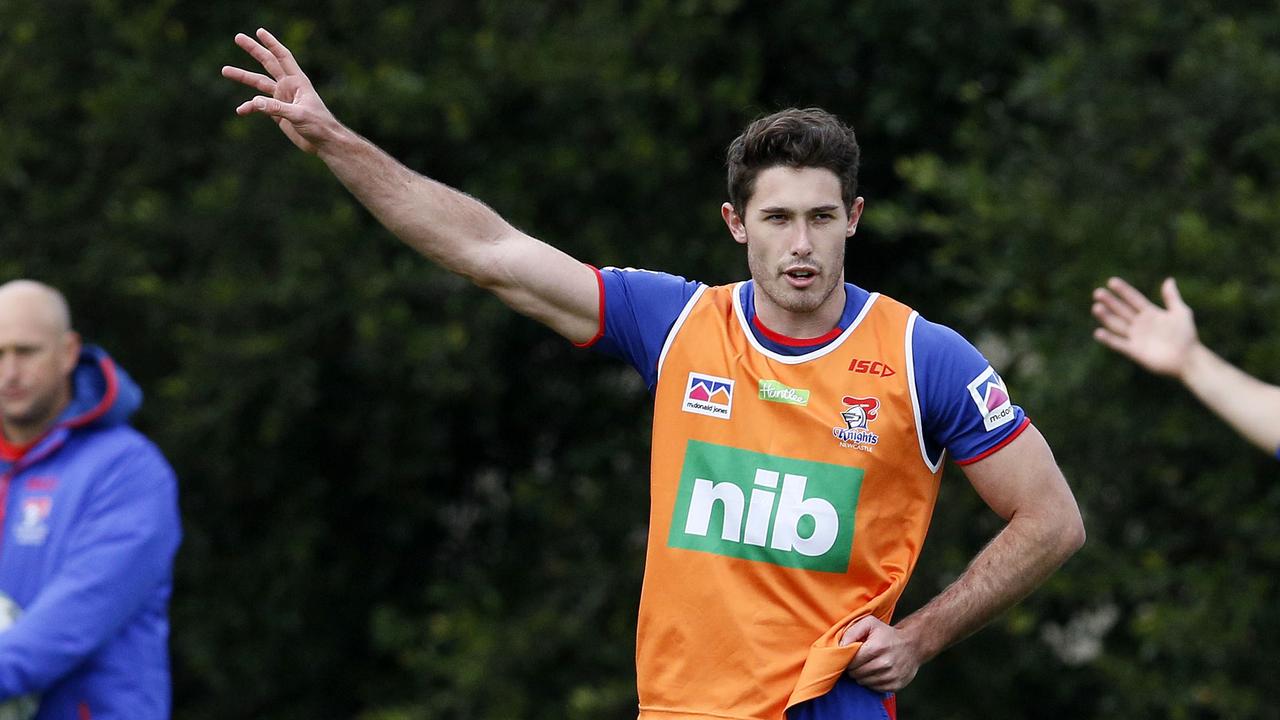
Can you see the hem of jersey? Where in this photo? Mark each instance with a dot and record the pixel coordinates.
(1026, 423)
(915, 399)
(675, 712)
(797, 359)
(675, 328)
(600, 309)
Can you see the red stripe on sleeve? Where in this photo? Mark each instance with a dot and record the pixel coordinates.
(1026, 422)
(600, 329)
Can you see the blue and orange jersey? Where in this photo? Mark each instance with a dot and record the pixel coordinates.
(792, 486)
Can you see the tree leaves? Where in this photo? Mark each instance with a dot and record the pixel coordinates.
(402, 501)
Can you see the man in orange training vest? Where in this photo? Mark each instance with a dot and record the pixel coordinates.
(800, 423)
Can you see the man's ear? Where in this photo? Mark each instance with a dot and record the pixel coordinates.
(855, 214)
(734, 221)
(70, 351)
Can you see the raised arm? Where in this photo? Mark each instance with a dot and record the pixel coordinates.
(1023, 485)
(449, 227)
(1164, 340)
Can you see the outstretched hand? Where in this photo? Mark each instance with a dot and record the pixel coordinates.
(287, 95)
(1159, 339)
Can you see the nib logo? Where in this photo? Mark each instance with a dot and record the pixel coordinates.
(794, 513)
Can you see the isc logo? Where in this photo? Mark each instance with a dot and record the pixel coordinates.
(748, 505)
(871, 367)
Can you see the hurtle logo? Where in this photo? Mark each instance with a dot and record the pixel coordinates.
(794, 513)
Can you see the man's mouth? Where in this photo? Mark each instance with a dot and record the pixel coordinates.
(800, 277)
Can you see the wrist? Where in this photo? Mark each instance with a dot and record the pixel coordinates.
(1195, 361)
(911, 631)
(335, 140)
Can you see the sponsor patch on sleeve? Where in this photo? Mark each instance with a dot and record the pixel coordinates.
(992, 398)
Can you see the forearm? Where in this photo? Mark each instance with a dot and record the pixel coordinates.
(1017, 560)
(466, 237)
(1249, 405)
(447, 226)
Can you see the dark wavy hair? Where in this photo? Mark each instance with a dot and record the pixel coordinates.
(795, 138)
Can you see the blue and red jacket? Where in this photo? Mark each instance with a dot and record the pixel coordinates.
(87, 540)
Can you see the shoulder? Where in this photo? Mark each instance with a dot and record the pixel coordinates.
(118, 446)
(935, 343)
(647, 284)
(965, 405)
(639, 309)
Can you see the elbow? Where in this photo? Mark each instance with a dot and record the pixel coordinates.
(1060, 534)
(1078, 536)
(1072, 534)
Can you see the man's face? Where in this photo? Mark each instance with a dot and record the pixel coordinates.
(36, 360)
(795, 227)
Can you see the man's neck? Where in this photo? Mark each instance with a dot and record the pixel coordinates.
(802, 326)
(22, 436)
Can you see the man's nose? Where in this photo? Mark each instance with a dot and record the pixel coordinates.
(802, 240)
(8, 368)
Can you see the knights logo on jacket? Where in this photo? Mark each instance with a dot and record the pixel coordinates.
(33, 524)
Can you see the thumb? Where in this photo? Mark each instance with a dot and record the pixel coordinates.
(859, 631)
(271, 106)
(1169, 291)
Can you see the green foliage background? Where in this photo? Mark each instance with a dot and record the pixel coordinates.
(402, 501)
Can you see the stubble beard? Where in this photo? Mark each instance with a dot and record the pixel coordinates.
(36, 418)
(772, 282)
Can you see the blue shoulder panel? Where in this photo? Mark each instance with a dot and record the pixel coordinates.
(965, 406)
(640, 307)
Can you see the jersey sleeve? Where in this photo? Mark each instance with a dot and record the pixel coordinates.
(965, 406)
(638, 309)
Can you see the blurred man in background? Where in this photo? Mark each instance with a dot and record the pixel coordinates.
(800, 423)
(1164, 340)
(89, 528)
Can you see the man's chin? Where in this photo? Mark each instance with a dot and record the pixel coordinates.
(801, 301)
(22, 420)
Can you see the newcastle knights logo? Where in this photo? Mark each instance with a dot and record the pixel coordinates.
(859, 412)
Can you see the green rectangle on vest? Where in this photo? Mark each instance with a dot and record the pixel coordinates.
(766, 508)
